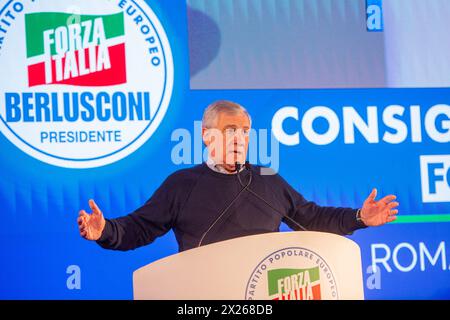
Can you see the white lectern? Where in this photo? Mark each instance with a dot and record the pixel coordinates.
(299, 265)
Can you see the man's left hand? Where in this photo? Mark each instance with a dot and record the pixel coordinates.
(377, 213)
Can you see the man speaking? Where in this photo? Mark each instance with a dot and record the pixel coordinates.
(226, 198)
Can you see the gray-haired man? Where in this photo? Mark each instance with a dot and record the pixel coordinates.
(220, 199)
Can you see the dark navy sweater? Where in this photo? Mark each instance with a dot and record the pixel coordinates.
(190, 200)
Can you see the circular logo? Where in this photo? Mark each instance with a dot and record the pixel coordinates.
(292, 274)
(85, 83)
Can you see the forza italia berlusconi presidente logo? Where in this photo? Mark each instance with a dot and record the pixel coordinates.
(84, 83)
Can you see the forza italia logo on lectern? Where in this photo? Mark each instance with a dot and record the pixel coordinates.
(292, 274)
(88, 82)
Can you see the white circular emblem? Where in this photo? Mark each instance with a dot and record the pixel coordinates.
(292, 274)
(84, 83)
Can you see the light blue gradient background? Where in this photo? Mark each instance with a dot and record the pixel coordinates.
(284, 44)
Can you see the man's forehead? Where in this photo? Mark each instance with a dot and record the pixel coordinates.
(239, 119)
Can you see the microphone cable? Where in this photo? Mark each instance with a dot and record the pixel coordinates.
(248, 166)
(245, 187)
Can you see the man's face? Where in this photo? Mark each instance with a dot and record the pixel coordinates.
(228, 141)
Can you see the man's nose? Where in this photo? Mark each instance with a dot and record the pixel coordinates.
(239, 135)
(239, 141)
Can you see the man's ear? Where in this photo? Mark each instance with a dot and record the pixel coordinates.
(206, 136)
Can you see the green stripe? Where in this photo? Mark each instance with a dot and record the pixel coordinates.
(422, 218)
(37, 23)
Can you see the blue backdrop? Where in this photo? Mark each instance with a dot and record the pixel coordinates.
(40, 201)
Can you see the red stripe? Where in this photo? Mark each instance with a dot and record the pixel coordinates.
(298, 294)
(316, 292)
(36, 74)
(113, 76)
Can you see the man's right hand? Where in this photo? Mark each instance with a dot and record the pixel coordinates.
(91, 225)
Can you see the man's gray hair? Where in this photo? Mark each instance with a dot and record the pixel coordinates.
(221, 106)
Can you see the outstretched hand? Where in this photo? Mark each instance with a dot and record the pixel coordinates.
(91, 225)
(377, 213)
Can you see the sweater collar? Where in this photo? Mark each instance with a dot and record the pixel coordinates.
(218, 168)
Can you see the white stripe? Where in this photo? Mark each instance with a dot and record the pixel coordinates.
(109, 42)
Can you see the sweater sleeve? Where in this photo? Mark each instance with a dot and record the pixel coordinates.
(314, 217)
(145, 224)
